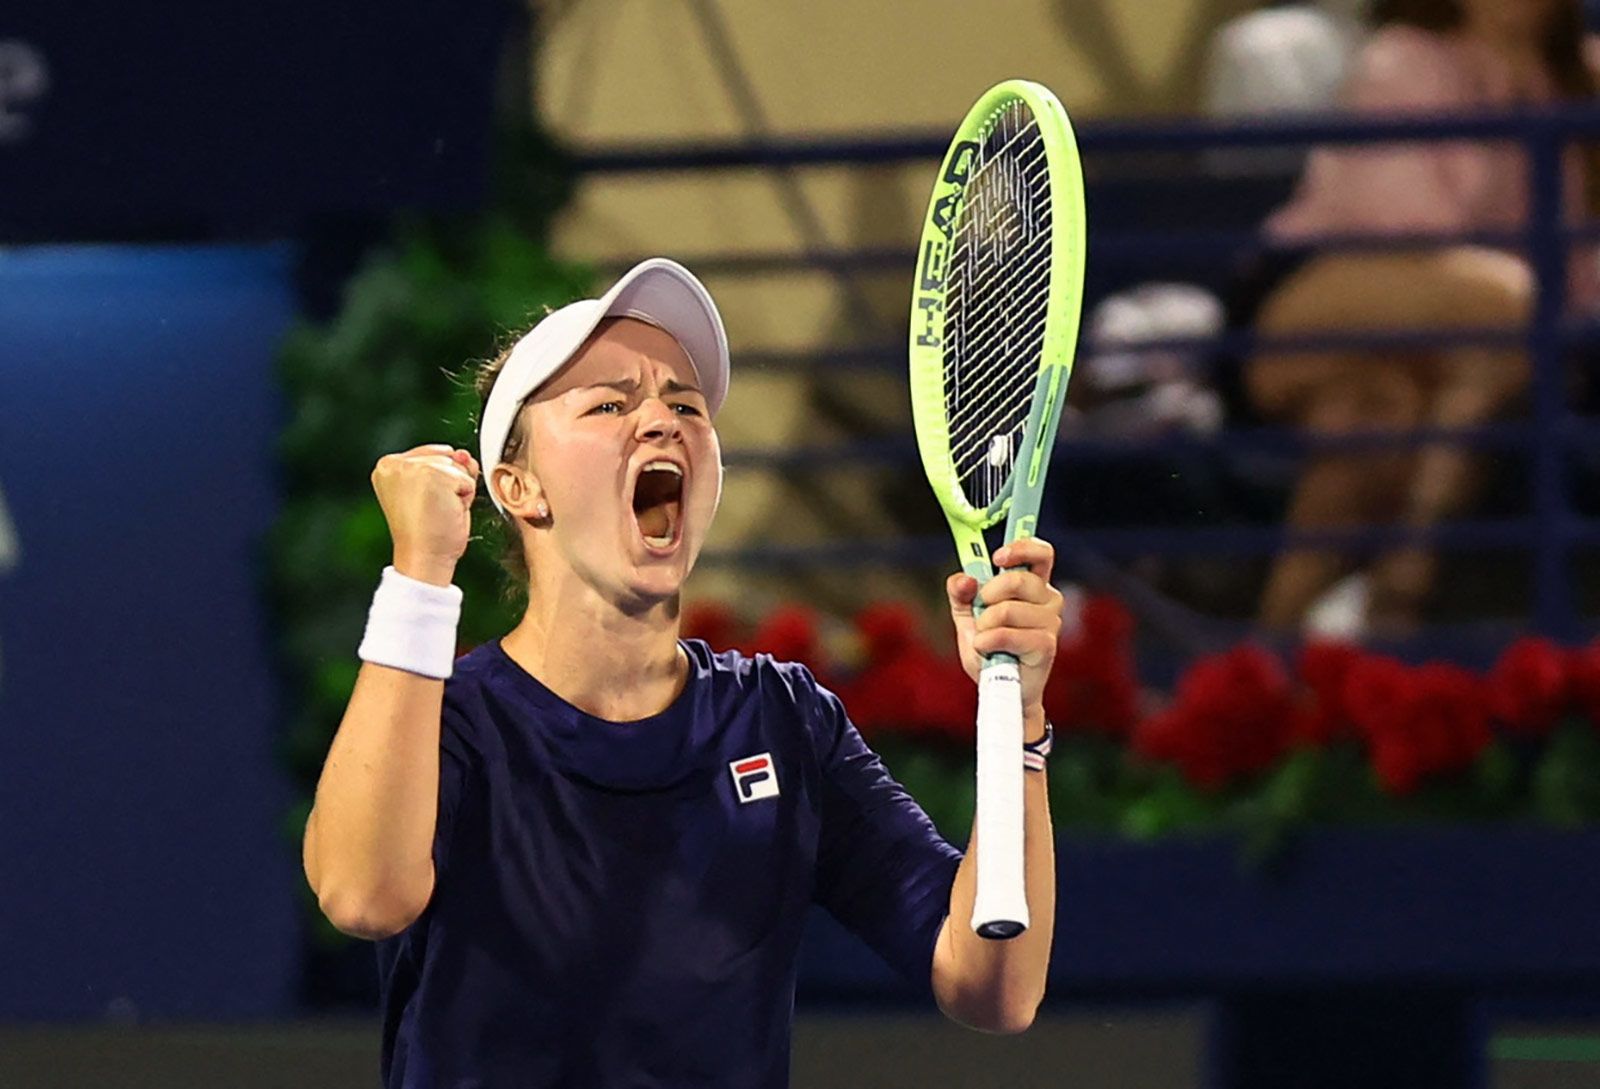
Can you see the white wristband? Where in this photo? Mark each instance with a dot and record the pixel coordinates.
(412, 626)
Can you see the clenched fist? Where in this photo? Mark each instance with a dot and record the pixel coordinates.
(426, 495)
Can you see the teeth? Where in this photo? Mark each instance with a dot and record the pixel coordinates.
(658, 542)
(664, 466)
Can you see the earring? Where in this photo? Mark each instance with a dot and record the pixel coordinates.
(544, 511)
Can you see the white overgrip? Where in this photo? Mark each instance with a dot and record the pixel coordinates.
(1000, 905)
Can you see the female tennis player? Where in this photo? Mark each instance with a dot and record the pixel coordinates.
(589, 848)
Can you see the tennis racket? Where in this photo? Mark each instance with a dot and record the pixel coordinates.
(994, 322)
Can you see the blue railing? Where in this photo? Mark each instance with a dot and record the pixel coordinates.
(1550, 533)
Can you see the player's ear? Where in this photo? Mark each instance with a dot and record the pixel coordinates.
(520, 492)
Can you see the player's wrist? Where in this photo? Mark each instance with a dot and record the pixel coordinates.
(1034, 725)
(1036, 753)
(436, 570)
(411, 626)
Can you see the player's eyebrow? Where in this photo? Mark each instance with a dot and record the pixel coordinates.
(631, 385)
(621, 385)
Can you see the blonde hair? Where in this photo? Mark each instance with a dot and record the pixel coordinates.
(513, 561)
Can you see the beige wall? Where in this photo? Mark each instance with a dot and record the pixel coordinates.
(626, 72)
(638, 70)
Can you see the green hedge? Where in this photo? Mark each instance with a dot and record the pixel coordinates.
(390, 371)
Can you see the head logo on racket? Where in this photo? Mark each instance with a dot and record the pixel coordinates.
(754, 777)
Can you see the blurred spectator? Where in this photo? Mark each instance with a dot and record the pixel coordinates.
(1425, 56)
(1138, 380)
(1143, 386)
(1140, 388)
(1283, 59)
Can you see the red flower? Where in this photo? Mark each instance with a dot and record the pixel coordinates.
(906, 685)
(789, 634)
(949, 706)
(886, 628)
(1584, 670)
(1452, 715)
(1104, 619)
(1374, 694)
(1421, 722)
(1092, 692)
(1092, 687)
(1172, 737)
(1232, 717)
(1323, 667)
(712, 621)
(1530, 686)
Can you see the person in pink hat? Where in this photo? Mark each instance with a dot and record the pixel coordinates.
(588, 850)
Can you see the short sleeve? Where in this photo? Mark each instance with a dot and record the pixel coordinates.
(883, 870)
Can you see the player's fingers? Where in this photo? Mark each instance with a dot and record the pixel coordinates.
(466, 461)
(442, 462)
(465, 483)
(1030, 645)
(1018, 585)
(961, 590)
(1025, 615)
(448, 467)
(1034, 553)
(428, 448)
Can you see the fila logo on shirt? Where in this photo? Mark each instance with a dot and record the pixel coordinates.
(754, 777)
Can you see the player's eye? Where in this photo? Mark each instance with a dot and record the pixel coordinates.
(683, 408)
(606, 408)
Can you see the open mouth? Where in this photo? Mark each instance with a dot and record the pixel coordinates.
(658, 503)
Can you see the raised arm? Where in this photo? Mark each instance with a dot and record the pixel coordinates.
(997, 986)
(368, 850)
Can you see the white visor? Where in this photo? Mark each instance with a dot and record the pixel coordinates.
(658, 291)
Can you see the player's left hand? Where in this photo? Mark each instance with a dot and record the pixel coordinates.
(1021, 615)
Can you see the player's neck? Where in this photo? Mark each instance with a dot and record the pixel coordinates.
(606, 662)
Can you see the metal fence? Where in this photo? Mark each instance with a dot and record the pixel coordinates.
(1552, 431)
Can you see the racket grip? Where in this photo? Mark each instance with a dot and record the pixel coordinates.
(1000, 904)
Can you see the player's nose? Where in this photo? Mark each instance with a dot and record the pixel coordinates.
(658, 421)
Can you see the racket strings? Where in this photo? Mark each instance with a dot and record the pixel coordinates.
(989, 340)
(977, 435)
(997, 296)
(987, 327)
(997, 345)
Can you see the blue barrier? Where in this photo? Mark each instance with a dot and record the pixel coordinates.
(902, 452)
(1361, 958)
(1550, 533)
(1094, 138)
(140, 799)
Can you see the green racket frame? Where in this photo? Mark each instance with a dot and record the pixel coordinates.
(1000, 907)
(1019, 502)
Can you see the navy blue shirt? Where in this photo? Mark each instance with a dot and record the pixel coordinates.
(621, 904)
